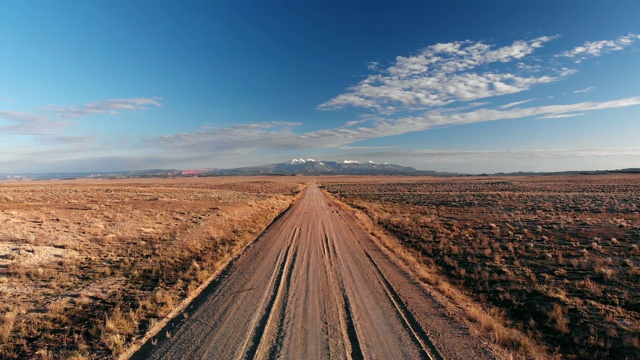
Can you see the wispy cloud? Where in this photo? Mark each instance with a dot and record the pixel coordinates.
(587, 89)
(373, 65)
(54, 117)
(562, 116)
(597, 48)
(515, 103)
(241, 144)
(21, 123)
(274, 136)
(433, 155)
(111, 106)
(462, 71)
(564, 72)
(441, 74)
(20, 116)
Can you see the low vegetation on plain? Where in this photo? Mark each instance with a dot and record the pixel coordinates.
(87, 267)
(554, 258)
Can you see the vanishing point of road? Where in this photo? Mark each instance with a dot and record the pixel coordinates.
(315, 285)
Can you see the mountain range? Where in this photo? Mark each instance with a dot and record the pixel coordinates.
(314, 167)
(293, 167)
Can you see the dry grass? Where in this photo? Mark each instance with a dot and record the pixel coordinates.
(490, 323)
(88, 267)
(553, 259)
(7, 321)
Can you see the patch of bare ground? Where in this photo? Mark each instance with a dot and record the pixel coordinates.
(550, 260)
(87, 267)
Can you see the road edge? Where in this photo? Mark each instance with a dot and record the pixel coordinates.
(460, 306)
(138, 343)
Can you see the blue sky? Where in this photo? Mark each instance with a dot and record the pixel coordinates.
(468, 86)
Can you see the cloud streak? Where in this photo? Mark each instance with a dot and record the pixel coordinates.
(597, 48)
(434, 155)
(562, 116)
(281, 136)
(55, 117)
(515, 103)
(111, 107)
(25, 123)
(587, 89)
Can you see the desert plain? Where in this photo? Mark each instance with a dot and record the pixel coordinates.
(524, 267)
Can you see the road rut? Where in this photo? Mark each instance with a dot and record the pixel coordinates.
(315, 286)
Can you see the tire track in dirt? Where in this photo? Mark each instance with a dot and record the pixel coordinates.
(349, 335)
(315, 286)
(421, 338)
(266, 326)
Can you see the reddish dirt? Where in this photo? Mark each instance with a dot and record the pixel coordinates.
(315, 285)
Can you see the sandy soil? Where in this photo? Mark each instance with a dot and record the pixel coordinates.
(314, 285)
(87, 267)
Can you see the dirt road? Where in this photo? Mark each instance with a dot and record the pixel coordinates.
(315, 286)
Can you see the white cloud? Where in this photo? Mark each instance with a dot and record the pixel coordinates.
(441, 74)
(373, 65)
(111, 106)
(243, 144)
(263, 137)
(564, 72)
(587, 89)
(562, 116)
(437, 118)
(465, 107)
(22, 123)
(515, 103)
(20, 116)
(598, 48)
(55, 117)
(483, 155)
(462, 71)
(533, 68)
(355, 122)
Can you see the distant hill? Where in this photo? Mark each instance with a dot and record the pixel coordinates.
(293, 167)
(314, 167)
(571, 173)
(153, 173)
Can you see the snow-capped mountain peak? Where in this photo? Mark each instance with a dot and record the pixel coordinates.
(351, 162)
(301, 161)
(297, 161)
